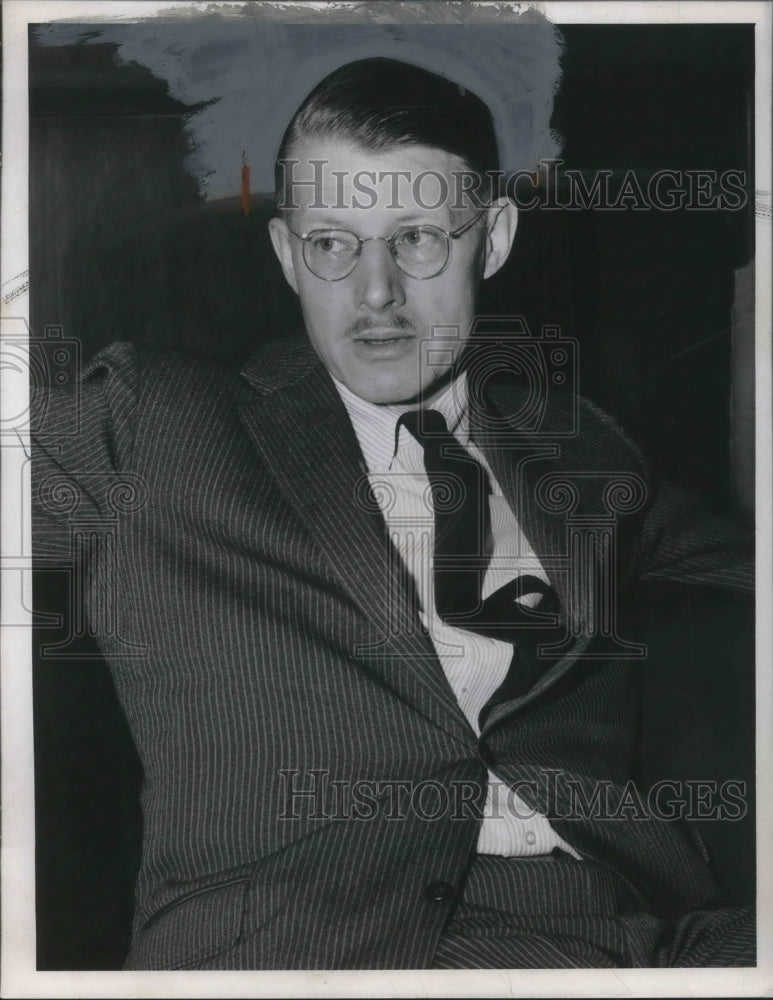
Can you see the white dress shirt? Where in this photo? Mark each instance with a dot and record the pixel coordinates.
(474, 664)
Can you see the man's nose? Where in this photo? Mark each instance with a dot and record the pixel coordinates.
(379, 278)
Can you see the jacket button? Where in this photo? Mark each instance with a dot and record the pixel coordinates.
(487, 755)
(439, 892)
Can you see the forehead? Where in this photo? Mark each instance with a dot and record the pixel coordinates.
(330, 180)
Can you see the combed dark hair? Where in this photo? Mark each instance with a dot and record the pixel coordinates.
(380, 103)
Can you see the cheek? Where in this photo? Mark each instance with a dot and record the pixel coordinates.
(451, 301)
(325, 312)
(457, 286)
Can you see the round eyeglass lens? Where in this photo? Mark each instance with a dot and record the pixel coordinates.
(421, 252)
(331, 254)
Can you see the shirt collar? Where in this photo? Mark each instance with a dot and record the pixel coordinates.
(375, 425)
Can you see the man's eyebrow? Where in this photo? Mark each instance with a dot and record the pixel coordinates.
(315, 221)
(420, 218)
(425, 218)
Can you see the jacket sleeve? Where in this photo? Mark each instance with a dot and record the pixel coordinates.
(677, 539)
(82, 443)
(682, 541)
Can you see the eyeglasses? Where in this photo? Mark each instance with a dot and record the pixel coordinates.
(419, 251)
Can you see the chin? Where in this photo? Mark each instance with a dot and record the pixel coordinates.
(395, 389)
(400, 392)
(384, 391)
(386, 397)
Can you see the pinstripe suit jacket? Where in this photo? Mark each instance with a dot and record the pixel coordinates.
(265, 643)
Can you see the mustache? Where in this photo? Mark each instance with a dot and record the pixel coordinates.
(363, 324)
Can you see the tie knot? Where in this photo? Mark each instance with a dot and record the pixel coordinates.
(427, 426)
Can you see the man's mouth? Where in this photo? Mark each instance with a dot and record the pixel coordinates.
(383, 344)
(380, 337)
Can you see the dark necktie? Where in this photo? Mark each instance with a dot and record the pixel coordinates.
(460, 495)
(460, 491)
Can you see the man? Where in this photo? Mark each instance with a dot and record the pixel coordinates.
(331, 570)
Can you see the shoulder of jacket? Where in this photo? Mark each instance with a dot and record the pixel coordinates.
(586, 434)
(620, 441)
(281, 363)
(181, 374)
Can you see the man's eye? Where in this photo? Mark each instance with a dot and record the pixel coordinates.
(329, 244)
(414, 237)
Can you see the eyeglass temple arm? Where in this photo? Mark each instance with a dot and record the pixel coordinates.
(467, 225)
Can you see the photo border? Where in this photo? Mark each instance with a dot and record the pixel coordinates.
(19, 976)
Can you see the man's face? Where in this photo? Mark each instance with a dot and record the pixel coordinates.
(372, 328)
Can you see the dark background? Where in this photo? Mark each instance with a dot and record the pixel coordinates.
(123, 247)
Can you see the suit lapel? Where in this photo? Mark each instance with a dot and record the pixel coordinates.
(519, 461)
(299, 425)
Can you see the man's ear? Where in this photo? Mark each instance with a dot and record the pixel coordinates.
(502, 222)
(280, 240)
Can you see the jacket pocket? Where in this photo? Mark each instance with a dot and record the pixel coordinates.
(192, 928)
